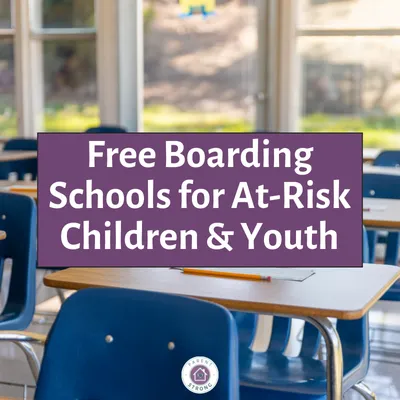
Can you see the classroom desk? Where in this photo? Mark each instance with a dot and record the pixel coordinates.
(16, 155)
(369, 155)
(28, 188)
(336, 293)
(386, 218)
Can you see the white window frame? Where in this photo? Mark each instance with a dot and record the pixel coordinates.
(277, 66)
(119, 42)
(120, 62)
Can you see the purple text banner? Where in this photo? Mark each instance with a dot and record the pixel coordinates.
(200, 200)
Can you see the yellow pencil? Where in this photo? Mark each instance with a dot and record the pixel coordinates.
(23, 189)
(226, 274)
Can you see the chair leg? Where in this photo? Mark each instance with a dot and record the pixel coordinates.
(31, 357)
(61, 295)
(365, 391)
(320, 354)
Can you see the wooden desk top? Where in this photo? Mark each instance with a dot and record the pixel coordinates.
(370, 154)
(3, 235)
(371, 169)
(388, 217)
(17, 155)
(337, 293)
(27, 188)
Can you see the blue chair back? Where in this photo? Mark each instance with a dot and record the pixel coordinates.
(382, 186)
(388, 158)
(18, 220)
(138, 363)
(20, 167)
(21, 144)
(106, 129)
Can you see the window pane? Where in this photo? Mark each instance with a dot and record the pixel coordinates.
(8, 118)
(349, 13)
(200, 72)
(352, 84)
(67, 13)
(5, 14)
(70, 85)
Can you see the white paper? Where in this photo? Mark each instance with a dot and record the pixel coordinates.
(287, 274)
(372, 208)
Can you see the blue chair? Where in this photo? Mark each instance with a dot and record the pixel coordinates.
(123, 344)
(388, 158)
(18, 220)
(21, 167)
(21, 144)
(263, 375)
(106, 129)
(385, 187)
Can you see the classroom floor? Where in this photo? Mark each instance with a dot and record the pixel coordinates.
(382, 377)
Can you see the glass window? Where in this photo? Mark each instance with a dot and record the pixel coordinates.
(200, 71)
(67, 13)
(5, 14)
(70, 85)
(8, 118)
(352, 82)
(349, 14)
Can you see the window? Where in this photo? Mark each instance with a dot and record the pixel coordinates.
(67, 13)
(67, 64)
(8, 119)
(47, 66)
(200, 73)
(5, 14)
(350, 68)
(64, 48)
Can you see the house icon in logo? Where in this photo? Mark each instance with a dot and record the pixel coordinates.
(200, 375)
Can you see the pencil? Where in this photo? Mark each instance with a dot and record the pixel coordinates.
(23, 189)
(226, 274)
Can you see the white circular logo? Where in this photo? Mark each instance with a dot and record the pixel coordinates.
(200, 375)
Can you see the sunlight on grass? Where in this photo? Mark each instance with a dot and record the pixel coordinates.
(382, 131)
(378, 131)
(170, 119)
(71, 118)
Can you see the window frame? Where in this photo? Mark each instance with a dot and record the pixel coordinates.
(119, 74)
(279, 54)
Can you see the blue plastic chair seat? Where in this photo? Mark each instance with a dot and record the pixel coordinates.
(304, 375)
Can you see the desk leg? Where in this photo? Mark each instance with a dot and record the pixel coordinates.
(334, 363)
